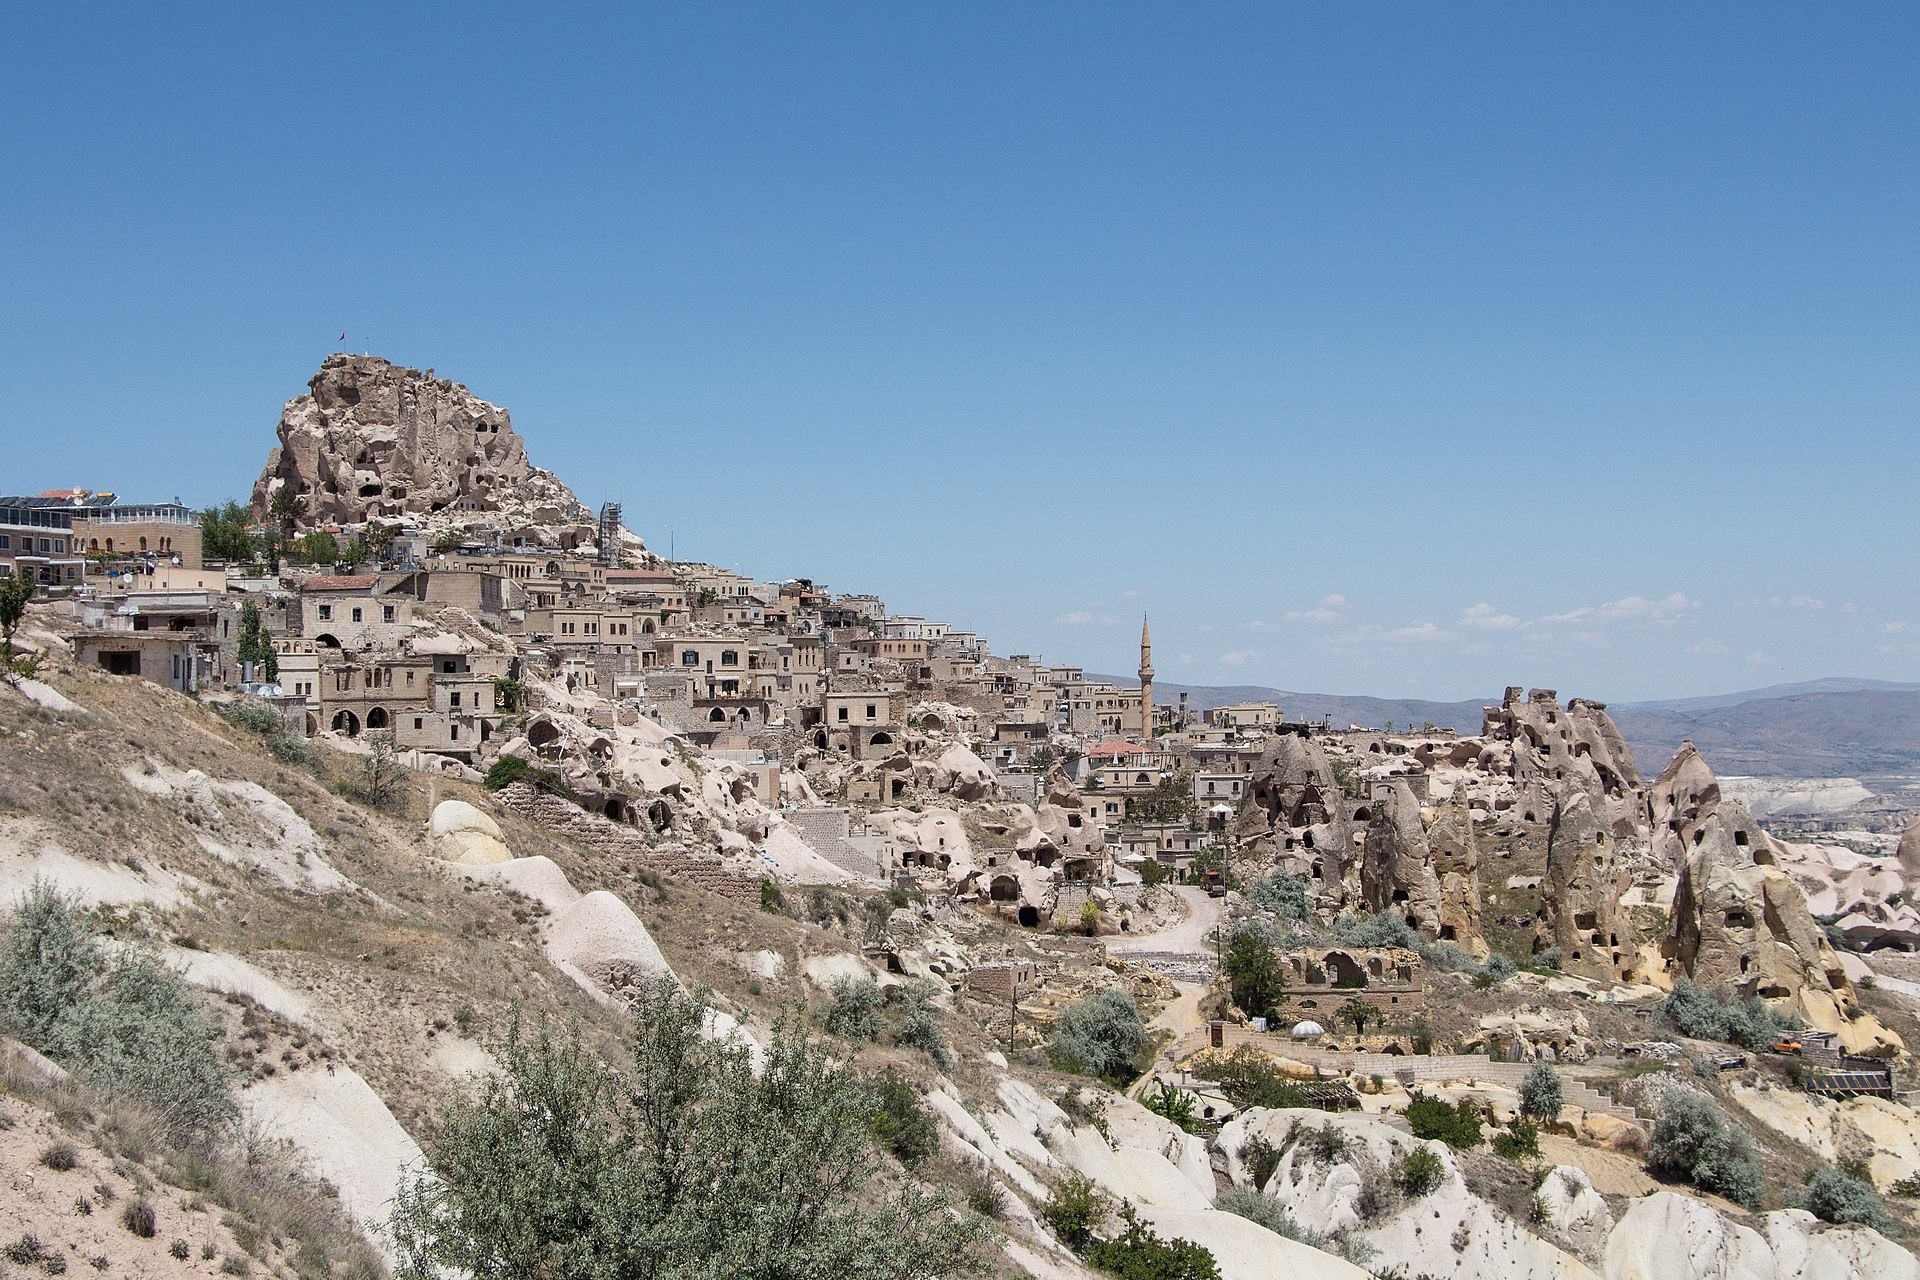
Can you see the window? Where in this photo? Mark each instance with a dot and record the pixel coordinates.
(454, 698)
(843, 715)
(869, 711)
(356, 613)
(416, 722)
(386, 613)
(410, 681)
(729, 657)
(326, 613)
(6, 542)
(453, 733)
(689, 657)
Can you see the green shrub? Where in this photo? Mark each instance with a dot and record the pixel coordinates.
(1419, 1172)
(980, 1191)
(771, 899)
(141, 1038)
(48, 963)
(1327, 1144)
(1269, 1213)
(1262, 1161)
(128, 1026)
(1698, 1013)
(561, 1161)
(1541, 1096)
(1457, 1125)
(901, 1123)
(1448, 956)
(60, 1156)
(253, 715)
(1281, 893)
(1101, 1035)
(1378, 1196)
(138, 1218)
(27, 1250)
(1693, 1141)
(1074, 1210)
(1139, 1253)
(1172, 1103)
(1519, 1142)
(1840, 1197)
(1908, 1188)
(855, 1011)
(917, 1025)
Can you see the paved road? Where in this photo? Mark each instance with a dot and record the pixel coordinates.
(1192, 936)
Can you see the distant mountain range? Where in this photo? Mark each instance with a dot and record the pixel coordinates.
(1836, 727)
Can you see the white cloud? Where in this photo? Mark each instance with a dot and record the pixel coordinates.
(1809, 604)
(1133, 593)
(1238, 657)
(1707, 646)
(1892, 627)
(1416, 632)
(1485, 617)
(1081, 618)
(1328, 609)
(1184, 660)
(1760, 659)
(1665, 611)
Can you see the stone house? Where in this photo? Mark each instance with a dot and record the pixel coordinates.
(1244, 716)
(347, 612)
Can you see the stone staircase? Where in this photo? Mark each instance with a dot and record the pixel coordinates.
(592, 831)
(825, 831)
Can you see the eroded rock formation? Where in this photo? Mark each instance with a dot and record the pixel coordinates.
(1738, 920)
(372, 440)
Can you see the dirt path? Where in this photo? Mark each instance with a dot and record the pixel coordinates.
(1192, 936)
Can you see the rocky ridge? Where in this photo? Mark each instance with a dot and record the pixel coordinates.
(375, 441)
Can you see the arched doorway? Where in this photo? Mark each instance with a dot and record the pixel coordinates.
(377, 719)
(346, 722)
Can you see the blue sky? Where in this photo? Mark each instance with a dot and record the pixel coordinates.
(1406, 349)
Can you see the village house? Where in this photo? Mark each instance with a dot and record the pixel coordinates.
(168, 637)
(345, 611)
(1243, 717)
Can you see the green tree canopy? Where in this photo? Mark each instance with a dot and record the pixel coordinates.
(1258, 979)
(224, 533)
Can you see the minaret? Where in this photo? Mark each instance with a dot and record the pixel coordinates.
(1146, 682)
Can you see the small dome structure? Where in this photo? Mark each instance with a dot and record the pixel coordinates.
(1307, 1030)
